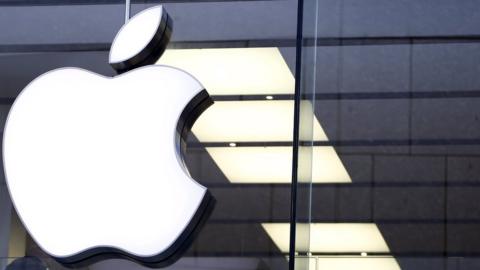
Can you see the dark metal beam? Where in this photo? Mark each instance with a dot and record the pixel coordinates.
(321, 42)
(103, 2)
(351, 143)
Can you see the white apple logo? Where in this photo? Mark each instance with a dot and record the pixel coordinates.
(93, 163)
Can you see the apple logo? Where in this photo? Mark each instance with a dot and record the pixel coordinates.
(94, 164)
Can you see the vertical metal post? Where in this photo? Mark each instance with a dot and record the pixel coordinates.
(127, 10)
(296, 136)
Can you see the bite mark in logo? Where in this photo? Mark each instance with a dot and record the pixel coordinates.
(93, 164)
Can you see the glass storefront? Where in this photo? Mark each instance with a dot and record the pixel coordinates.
(393, 91)
(385, 135)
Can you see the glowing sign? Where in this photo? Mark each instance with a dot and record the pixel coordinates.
(93, 164)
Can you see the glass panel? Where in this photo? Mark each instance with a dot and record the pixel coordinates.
(396, 93)
(305, 128)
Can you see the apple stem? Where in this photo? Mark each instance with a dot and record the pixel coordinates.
(127, 10)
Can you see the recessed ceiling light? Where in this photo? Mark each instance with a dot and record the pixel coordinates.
(332, 237)
(253, 121)
(357, 263)
(257, 165)
(235, 71)
(337, 238)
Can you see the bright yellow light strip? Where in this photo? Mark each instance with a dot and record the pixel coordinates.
(253, 165)
(346, 263)
(357, 263)
(235, 71)
(251, 121)
(332, 237)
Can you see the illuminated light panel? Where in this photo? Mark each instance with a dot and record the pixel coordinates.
(235, 71)
(332, 237)
(253, 165)
(252, 121)
(357, 263)
(264, 121)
